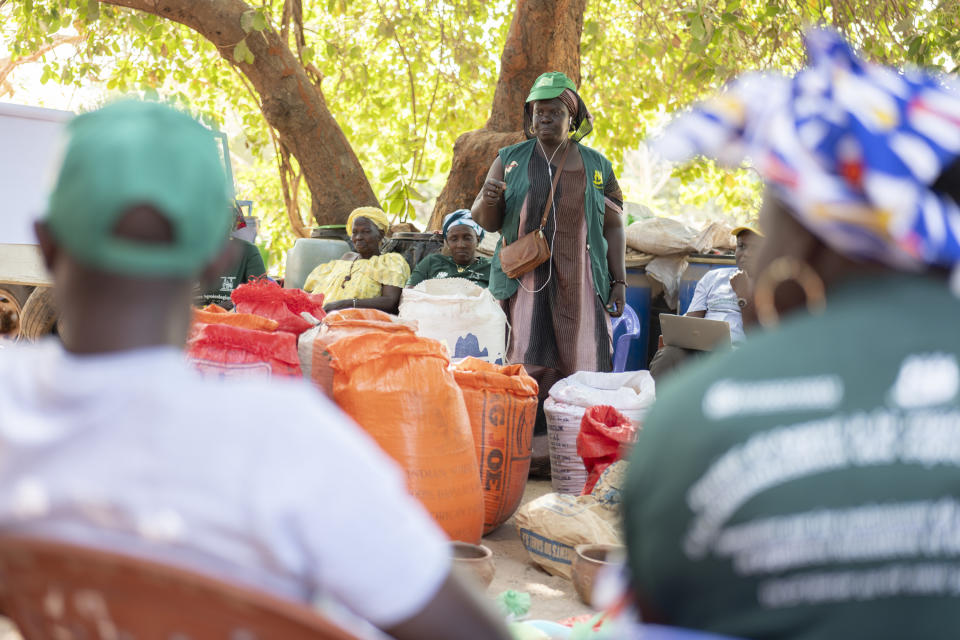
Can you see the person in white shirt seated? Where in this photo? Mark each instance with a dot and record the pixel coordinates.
(721, 294)
(107, 435)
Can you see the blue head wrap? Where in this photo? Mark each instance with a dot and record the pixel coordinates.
(461, 217)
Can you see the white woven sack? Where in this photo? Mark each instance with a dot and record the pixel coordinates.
(567, 473)
(458, 313)
(631, 392)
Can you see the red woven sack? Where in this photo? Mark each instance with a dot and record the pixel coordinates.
(227, 351)
(266, 298)
(605, 437)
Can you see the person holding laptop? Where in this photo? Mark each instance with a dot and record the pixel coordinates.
(722, 294)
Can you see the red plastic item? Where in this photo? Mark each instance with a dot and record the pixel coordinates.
(263, 297)
(228, 351)
(605, 436)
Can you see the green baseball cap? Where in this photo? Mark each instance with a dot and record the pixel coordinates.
(550, 85)
(134, 153)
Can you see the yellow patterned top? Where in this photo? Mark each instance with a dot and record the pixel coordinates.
(360, 278)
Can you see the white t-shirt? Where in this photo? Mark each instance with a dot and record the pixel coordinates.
(715, 296)
(261, 482)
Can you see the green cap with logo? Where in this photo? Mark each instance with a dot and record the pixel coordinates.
(550, 85)
(133, 153)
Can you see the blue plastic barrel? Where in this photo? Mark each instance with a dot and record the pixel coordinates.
(638, 297)
(697, 267)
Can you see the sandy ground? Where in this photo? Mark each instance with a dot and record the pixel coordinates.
(552, 597)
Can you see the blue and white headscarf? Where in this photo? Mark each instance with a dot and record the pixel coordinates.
(461, 217)
(852, 147)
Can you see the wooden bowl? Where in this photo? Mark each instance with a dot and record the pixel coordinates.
(588, 560)
(475, 560)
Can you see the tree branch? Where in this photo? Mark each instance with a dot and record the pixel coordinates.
(7, 65)
(289, 101)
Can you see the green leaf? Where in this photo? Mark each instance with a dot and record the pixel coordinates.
(697, 30)
(259, 21)
(93, 10)
(413, 193)
(242, 53)
(246, 21)
(914, 47)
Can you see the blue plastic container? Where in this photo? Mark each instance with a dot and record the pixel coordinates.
(638, 297)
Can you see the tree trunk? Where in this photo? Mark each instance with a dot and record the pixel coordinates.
(544, 36)
(290, 102)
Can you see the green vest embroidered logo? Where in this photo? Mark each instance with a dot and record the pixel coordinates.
(598, 179)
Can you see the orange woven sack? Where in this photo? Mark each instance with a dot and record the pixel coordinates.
(214, 314)
(225, 351)
(312, 344)
(502, 403)
(398, 388)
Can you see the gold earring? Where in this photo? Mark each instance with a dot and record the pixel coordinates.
(782, 270)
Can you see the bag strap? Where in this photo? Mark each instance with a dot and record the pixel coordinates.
(553, 187)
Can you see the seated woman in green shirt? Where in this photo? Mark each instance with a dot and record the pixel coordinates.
(461, 236)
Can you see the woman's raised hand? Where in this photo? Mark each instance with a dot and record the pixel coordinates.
(493, 191)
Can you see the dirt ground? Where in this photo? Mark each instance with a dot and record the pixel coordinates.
(552, 597)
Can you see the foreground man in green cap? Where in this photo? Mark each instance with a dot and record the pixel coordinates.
(559, 311)
(104, 433)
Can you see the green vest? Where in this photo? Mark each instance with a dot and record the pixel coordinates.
(598, 170)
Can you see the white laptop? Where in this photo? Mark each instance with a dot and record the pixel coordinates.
(694, 333)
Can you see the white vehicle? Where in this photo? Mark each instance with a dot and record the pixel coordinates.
(31, 142)
(31, 147)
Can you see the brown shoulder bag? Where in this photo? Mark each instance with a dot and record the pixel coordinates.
(531, 250)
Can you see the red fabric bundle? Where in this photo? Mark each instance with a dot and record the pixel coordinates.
(224, 350)
(266, 298)
(604, 432)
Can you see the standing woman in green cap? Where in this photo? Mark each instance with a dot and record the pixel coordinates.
(560, 310)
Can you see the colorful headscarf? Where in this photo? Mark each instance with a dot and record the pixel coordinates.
(853, 148)
(373, 214)
(461, 217)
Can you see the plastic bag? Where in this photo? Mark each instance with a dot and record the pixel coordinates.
(226, 351)
(661, 237)
(553, 524)
(312, 343)
(398, 387)
(604, 435)
(502, 404)
(631, 393)
(266, 298)
(455, 311)
(214, 314)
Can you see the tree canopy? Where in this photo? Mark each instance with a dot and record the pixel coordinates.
(404, 78)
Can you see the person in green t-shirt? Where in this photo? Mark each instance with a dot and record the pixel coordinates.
(807, 485)
(461, 237)
(247, 264)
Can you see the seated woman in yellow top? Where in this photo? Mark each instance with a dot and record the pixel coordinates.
(363, 278)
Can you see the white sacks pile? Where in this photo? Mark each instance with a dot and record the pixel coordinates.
(631, 393)
(465, 317)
